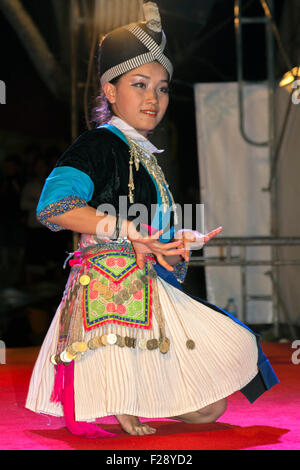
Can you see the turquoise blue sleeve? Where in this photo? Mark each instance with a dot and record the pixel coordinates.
(66, 188)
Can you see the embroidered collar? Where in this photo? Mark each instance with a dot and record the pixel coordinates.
(134, 134)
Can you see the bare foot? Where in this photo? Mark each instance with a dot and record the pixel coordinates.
(132, 425)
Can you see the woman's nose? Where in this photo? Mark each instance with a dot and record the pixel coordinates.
(151, 96)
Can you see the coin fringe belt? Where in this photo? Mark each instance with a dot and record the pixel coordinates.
(75, 343)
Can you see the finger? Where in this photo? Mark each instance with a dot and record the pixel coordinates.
(156, 249)
(161, 245)
(155, 246)
(153, 239)
(178, 252)
(216, 231)
(161, 260)
(185, 234)
(172, 244)
(186, 254)
(188, 238)
(212, 234)
(140, 247)
(140, 260)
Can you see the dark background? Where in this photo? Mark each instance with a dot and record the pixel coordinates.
(36, 124)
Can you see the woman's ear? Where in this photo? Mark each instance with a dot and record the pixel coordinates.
(110, 92)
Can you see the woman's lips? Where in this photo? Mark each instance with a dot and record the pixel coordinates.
(149, 112)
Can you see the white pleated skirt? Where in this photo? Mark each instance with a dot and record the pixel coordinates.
(113, 380)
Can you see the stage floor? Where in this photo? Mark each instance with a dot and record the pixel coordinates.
(271, 423)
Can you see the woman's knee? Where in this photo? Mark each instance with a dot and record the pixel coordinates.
(221, 406)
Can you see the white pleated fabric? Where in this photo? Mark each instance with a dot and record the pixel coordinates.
(113, 380)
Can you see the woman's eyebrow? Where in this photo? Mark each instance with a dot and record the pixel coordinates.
(148, 78)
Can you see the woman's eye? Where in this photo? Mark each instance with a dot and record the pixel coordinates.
(165, 90)
(139, 85)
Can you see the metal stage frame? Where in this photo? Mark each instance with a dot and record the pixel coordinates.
(226, 259)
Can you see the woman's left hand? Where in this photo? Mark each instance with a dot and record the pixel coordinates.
(191, 239)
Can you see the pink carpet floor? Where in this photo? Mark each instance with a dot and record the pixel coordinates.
(271, 423)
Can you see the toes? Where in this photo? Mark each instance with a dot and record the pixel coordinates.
(148, 430)
(133, 426)
(137, 431)
(144, 429)
(151, 430)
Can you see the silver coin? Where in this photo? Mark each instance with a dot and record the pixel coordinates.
(142, 343)
(64, 357)
(112, 338)
(52, 359)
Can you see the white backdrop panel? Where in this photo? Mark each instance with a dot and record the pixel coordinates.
(232, 177)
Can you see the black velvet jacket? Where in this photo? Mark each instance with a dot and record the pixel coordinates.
(104, 157)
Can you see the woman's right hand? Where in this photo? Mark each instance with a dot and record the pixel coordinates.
(151, 244)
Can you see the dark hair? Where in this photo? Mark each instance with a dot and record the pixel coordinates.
(102, 112)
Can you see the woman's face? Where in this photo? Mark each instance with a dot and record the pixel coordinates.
(140, 97)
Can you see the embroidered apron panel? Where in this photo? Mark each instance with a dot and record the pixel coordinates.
(118, 292)
(114, 264)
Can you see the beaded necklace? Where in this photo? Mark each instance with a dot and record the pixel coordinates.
(139, 154)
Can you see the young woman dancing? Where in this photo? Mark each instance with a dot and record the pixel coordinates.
(126, 339)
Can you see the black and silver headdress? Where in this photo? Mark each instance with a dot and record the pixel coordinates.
(133, 45)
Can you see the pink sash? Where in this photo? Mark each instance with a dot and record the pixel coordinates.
(79, 428)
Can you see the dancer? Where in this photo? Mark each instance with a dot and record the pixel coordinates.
(126, 339)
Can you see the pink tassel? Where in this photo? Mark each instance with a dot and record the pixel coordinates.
(75, 262)
(57, 392)
(79, 428)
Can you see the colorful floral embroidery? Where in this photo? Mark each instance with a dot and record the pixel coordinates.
(118, 292)
(115, 265)
(59, 207)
